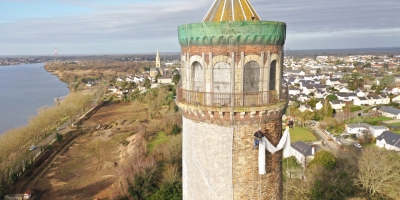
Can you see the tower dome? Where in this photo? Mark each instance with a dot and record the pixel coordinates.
(230, 10)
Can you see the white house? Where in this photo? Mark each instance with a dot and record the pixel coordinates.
(320, 94)
(337, 104)
(319, 105)
(295, 72)
(303, 98)
(360, 93)
(357, 129)
(303, 152)
(396, 99)
(294, 91)
(389, 141)
(346, 96)
(377, 130)
(163, 80)
(305, 107)
(333, 81)
(358, 101)
(344, 90)
(390, 112)
(385, 99)
(395, 90)
(308, 89)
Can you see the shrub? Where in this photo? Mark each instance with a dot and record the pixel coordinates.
(175, 129)
(324, 158)
(59, 137)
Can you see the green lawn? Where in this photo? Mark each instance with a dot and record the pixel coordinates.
(301, 134)
(381, 118)
(355, 108)
(396, 124)
(160, 139)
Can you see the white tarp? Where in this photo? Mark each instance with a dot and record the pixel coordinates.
(266, 145)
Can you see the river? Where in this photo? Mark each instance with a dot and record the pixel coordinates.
(23, 90)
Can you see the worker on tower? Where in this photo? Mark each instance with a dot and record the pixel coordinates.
(257, 137)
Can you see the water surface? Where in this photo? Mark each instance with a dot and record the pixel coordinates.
(23, 90)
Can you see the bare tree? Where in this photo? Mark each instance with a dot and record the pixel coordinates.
(379, 172)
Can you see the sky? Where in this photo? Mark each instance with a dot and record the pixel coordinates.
(37, 27)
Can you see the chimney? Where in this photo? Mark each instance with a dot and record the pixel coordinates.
(312, 150)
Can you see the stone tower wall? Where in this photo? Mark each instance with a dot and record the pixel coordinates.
(219, 161)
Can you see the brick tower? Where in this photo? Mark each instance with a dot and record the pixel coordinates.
(231, 85)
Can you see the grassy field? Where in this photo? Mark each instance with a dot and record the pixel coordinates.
(381, 118)
(301, 134)
(160, 139)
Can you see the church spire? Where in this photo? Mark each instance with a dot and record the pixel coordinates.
(230, 10)
(158, 62)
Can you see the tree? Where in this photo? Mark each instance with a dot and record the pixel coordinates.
(387, 80)
(366, 65)
(156, 78)
(147, 83)
(385, 66)
(291, 167)
(381, 177)
(176, 79)
(59, 137)
(325, 159)
(331, 97)
(327, 109)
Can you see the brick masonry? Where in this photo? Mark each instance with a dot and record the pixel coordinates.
(226, 50)
(247, 183)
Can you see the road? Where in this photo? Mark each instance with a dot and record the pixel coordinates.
(329, 143)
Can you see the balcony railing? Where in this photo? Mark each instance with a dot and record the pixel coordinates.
(251, 99)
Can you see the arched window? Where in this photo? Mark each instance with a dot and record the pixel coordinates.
(251, 80)
(251, 83)
(221, 84)
(272, 76)
(222, 77)
(197, 77)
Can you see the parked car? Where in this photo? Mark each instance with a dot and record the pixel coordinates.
(357, 145)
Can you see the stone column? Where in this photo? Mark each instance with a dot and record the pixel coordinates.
(266, 75)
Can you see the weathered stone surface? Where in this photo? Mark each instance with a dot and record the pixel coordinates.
(247, 183)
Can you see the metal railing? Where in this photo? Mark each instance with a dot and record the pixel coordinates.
(251, 99)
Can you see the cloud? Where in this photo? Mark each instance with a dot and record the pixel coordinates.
(143, 25)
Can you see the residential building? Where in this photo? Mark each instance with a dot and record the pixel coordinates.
(358, 101)
(389, 141)
(337, 104)
(390, 112)
(377, 130)
(305, 107)
(357, 129)
(303, 152)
